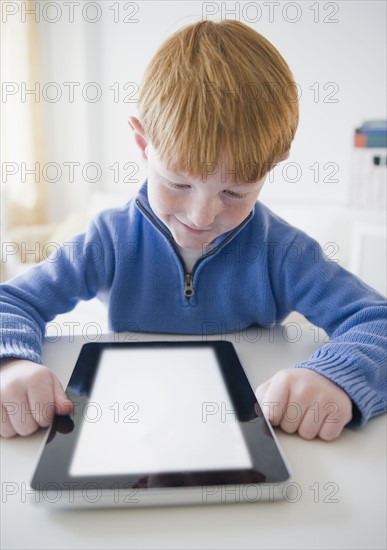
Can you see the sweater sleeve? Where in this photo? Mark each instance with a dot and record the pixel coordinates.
(352, 314)
(76, 271)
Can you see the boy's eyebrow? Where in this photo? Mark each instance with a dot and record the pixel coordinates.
(176, 175)
(245, 185)
(164, 171)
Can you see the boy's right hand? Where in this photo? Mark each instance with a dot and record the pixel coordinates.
(30, 395)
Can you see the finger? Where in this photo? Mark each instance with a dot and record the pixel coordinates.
(6, 426)
(292, 415)
(296, 407)
(23, 422)
(63, 405)
(332, 428)
(275, 399)
(312, 421)
(260, 392)
(40, 394)
(338, 414)
(329, 432)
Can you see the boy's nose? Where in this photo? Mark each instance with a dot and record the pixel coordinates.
(202, 215)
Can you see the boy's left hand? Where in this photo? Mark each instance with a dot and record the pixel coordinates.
(301, 400)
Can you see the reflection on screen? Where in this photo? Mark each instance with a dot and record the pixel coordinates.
(158, 410)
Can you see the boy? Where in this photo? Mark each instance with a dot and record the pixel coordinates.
(217, 110)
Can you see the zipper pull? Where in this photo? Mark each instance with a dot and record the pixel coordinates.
(188, 288)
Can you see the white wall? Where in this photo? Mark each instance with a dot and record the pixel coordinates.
(347, 57)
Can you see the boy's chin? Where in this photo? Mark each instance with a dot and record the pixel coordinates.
(196, 243)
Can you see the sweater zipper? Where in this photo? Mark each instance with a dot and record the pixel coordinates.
(188, 287)
(188, 277)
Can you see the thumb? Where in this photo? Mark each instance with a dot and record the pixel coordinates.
(261, 391)
(63, 405)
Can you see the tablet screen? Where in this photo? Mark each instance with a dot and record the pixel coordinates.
(158, 411)
(157, 415)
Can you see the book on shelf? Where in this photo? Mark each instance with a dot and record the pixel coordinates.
(368, 183)
(372, 133)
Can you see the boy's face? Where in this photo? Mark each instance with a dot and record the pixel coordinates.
(196, 211)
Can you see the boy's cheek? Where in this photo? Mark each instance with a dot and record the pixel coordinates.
(164, 205)
(159, 199)
(170, 202)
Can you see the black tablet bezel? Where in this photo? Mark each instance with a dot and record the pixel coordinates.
(54, 464)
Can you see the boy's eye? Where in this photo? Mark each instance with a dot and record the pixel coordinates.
(231, 194)
(234, 195)
(179, 185)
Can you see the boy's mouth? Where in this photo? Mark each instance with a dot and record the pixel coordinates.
(192, 230)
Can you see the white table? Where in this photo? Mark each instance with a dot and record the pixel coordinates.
(341, 485)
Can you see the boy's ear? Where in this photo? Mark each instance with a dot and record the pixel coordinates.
(139, 136)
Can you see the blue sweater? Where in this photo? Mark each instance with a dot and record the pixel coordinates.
(254, 275)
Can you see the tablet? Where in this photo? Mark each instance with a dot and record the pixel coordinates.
(159, 423)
